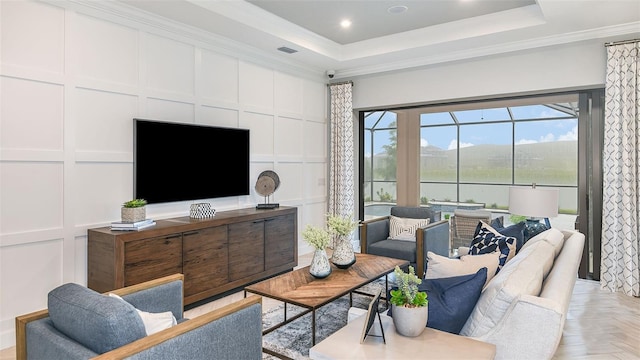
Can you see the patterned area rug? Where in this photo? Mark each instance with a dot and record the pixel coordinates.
(294, 339)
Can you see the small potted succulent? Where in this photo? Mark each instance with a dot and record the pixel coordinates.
(319, 239)
(409, 306)
(134, 210)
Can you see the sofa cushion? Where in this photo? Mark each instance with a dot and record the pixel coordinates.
(488, 240)
(405, 228)
(522, 275)
(399, 249)
(100, 323)
(441, 266)
(553, 236)
(451, 299)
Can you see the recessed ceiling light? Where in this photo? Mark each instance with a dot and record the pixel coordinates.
(345, 23)
(398, 9)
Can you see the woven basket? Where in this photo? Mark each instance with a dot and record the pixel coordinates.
(133, 214)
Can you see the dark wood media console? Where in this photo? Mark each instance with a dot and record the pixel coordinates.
(218, 254)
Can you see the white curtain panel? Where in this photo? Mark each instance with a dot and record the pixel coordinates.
(620, 267)
(341, 164)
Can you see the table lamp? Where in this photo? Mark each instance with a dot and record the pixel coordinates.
(534, 202)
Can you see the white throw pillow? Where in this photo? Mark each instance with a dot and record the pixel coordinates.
(405, 228)
(153, 322)
(440, 266)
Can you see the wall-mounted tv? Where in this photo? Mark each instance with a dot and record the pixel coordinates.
(180, 162)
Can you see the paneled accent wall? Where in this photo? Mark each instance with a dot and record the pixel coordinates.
(72, 80)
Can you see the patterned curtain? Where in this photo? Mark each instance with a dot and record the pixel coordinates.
(341, 166)
(620, 268)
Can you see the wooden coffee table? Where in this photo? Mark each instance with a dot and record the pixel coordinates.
(300, 288)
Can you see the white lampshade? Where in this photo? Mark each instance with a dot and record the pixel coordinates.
(533, 201)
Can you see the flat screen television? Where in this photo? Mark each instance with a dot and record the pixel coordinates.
(180, 162)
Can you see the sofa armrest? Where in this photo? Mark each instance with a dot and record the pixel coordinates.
(372, 231)
(435, 238)
(233, 331)
(529, 315)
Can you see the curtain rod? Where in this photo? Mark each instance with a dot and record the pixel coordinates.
(620, 42)
(342, 83)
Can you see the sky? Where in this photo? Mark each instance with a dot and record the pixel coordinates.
(526, 132)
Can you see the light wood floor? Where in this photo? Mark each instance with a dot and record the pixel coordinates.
(600, 324)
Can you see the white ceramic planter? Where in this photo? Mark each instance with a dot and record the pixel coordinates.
(410, 322)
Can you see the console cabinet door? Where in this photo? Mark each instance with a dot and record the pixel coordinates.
(149, 259)
(246, 249)
(205, 258)
(279, 241)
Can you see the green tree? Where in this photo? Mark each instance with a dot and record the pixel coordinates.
(388, 164)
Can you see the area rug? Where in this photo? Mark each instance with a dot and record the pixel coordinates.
(294, 339)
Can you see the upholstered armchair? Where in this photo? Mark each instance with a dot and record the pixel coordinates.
(83, 324)
(376, 239)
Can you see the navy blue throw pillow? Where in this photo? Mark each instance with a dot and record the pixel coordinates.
(517, 231)
(451, 300)
(488, 240)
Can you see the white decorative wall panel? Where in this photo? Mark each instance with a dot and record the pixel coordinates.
(72, 79)
(169, 65)
(288, 137)
(290, 181)
(39, 266)
(104, 121)
(315, 140)
(288, 94)
(31, 196)
(109, 51)
(261, 132)
(174, 111)
(315, 181)
(256, 86)
(219, 77)
(315, 101)
(100, 191)
(33, 35)
(217, 117)
(25, 125)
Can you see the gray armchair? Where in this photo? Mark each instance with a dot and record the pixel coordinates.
(374, 237)
(81, 324)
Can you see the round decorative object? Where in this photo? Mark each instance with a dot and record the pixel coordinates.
(320, 266)
(410, 322)
(343, 255)
(268, 182)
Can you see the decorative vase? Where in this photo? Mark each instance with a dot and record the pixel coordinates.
(133, 214)
(410, 322)
(343, 255)
(320, 266)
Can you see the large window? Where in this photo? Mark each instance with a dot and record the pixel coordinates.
(471, 153)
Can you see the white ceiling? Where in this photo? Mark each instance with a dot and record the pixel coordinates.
(429, 32)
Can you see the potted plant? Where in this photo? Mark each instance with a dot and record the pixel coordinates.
(319, 239)
(409, 306)
(134, 210)
(343, 255)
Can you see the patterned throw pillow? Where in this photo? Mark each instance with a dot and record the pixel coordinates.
(488, 240)
(405, 228)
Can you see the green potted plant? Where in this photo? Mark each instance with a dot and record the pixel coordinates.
(319, 239)
(343, 255)
(134, 210)
(409, 306)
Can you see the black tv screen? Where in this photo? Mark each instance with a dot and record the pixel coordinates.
(179, 162)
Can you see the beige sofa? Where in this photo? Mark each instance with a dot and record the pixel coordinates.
(523, 308)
